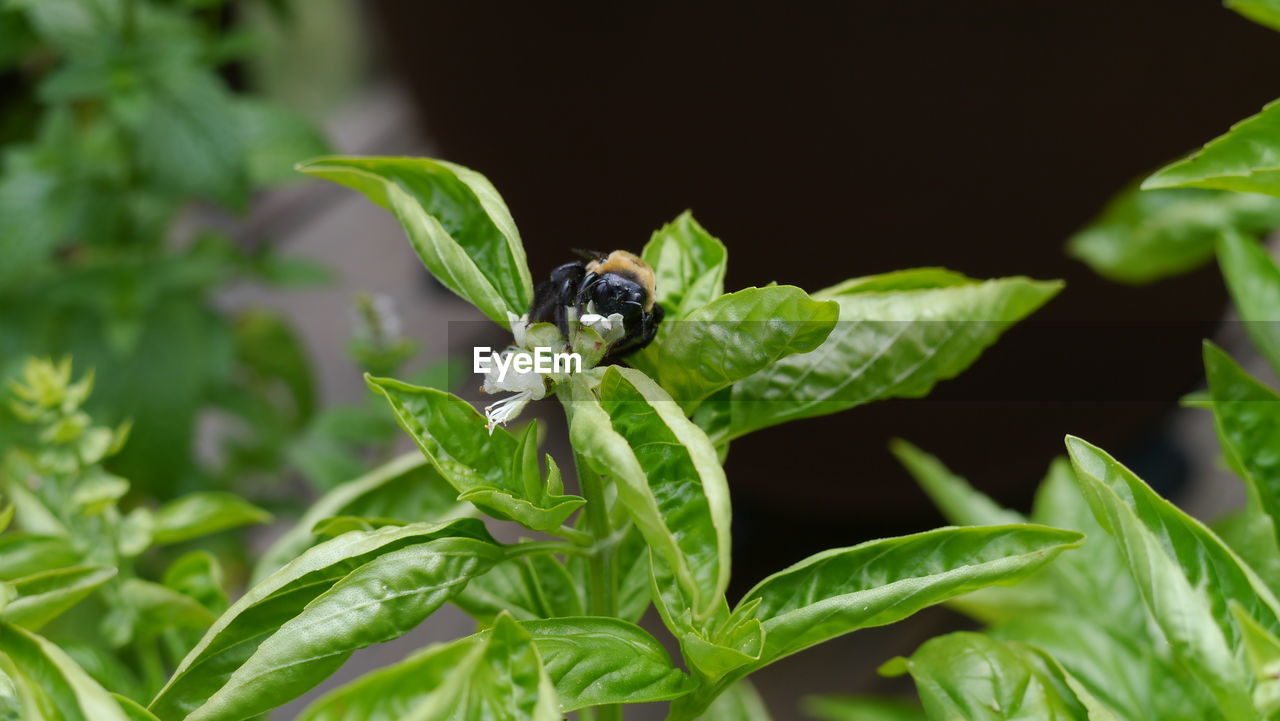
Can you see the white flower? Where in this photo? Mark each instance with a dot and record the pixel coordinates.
(527, 386)
(519, 327)
(610, 328)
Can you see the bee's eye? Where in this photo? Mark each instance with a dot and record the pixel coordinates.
(613, 293)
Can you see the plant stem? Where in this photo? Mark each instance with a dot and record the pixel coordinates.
(581, 538)
(601, 569)
(531, 548)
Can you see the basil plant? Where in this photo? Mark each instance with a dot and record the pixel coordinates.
(1157, 617)
(557, 612)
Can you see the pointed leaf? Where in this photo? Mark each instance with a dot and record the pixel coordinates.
(974, 677)
(688, 264)
(160, 607)
(199, 514)
(736, 335)
(1246, 415)
(1125, 665)
(1145, 235)
(494, 676)
(667, 475)
(280, 597)
(1263, 12)
(842, 590)
(133, 710)
(894, 340)
(1245, 159)
(595, 661)
(406, 488)
(455, 219)
(880, 582)
(529, 587)
(959, 502)
(1174, 559)
(1254, 281)
(1262, 649)
(485, 468)
(44, 596)
(379, 601)
(23, 554)
(72, 693)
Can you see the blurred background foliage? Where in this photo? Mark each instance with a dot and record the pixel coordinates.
(117, 118)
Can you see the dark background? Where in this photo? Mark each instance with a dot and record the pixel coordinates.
(827, 140)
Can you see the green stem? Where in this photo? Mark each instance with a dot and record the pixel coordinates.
(530, 548)
(581, 538)
(601, 569)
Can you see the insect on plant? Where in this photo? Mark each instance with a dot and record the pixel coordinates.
(651, 417)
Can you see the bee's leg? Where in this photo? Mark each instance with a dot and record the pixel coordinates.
(551, 296)
(632, 343)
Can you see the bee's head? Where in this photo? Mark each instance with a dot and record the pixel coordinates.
(618, 283)
(615, 293)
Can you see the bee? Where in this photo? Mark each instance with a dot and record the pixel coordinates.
(602, 283)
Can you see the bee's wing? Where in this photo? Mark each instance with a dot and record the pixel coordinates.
(589, 254)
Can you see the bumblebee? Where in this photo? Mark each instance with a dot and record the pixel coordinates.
(602, 283)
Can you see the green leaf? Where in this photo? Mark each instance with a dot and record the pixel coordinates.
(406, 488)
(275, 139)
(132, 709)
(1254, 281)
(199, 514)
(380, 601)
(1144, 236)
(160, 607)
(271, 350)
(976, 678)
(595, 661)
(1251, 533)
(741, 702)
(737, 335)
(1125, 665)
(455, 219)
(715, 645)
(876, 583)
(1246, 416)
(590, 661)
(23, 554)
(688, 265)
(1244, 159)
(397, 691)
(198, 574)
(498, 676)
(862, 708)
(1262, 649)
(667, 475)
(883, 581)
(496, 471)
(71, 695)
(959, 502)
(338, 525)
(186, 130)
(281, 597)
(529, 588)
(1091, 581)
(895, 339)
(44, 596)
(1263, 12)
(1174, 559)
